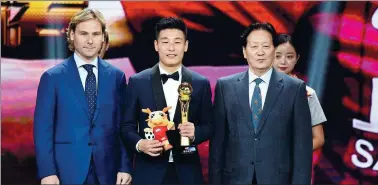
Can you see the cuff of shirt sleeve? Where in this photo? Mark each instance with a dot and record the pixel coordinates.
(137, 146)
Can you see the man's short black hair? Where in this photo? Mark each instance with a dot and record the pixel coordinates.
(171, 23)
(259, 26)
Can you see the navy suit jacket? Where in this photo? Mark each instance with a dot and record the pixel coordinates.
(279, 152)
(145, 90)
(65, 137)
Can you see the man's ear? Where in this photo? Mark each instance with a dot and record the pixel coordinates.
(245, 56)
(72, 35)
(186, 45)
(156, 45)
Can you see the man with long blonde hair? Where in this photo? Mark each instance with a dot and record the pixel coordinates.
(78, 112)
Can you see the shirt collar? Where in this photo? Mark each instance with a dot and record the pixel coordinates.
(80, 62)
(265, 77)
(162, 71)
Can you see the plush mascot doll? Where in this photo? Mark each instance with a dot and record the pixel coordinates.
(159, 124)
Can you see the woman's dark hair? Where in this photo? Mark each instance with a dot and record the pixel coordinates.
(285, 38)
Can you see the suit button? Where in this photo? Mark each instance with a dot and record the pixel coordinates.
(93, 125)
(89, 144)
(256, 139)
(252, 163)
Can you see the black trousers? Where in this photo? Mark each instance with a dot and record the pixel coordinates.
(171, 176)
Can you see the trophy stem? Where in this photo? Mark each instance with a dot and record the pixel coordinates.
(185, 141)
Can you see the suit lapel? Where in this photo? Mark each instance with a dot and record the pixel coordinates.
(186, 77)
(74, 83)
(242, 87)
(157, 88)
(274, 89)
(103, 82)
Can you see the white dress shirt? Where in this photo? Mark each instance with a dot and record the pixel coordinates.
(82, 72)
(263, 85)
(170, 91)
(171, 96)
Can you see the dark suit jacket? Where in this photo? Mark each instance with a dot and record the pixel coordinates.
(65, 137)
(146, 91)
(279, 152)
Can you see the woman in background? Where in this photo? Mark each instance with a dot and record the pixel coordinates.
(285, 61)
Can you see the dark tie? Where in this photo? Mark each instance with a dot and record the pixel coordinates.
(256, 104)
(165, 77)
(90, 88)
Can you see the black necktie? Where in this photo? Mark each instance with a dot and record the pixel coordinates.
(174, 76)
(90, 88)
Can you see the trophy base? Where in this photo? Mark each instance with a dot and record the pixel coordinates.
(189, 150)
(185, 141)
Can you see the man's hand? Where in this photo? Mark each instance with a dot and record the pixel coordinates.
(52, 179)
(123, 178)
(187, 130)
(150, 147)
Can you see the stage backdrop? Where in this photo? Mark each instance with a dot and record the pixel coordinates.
(339, 59)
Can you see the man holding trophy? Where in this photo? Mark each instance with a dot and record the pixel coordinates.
(185, 96)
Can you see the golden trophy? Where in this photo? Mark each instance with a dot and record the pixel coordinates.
(184, 90)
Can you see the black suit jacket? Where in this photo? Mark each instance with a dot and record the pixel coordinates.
(145, 90)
